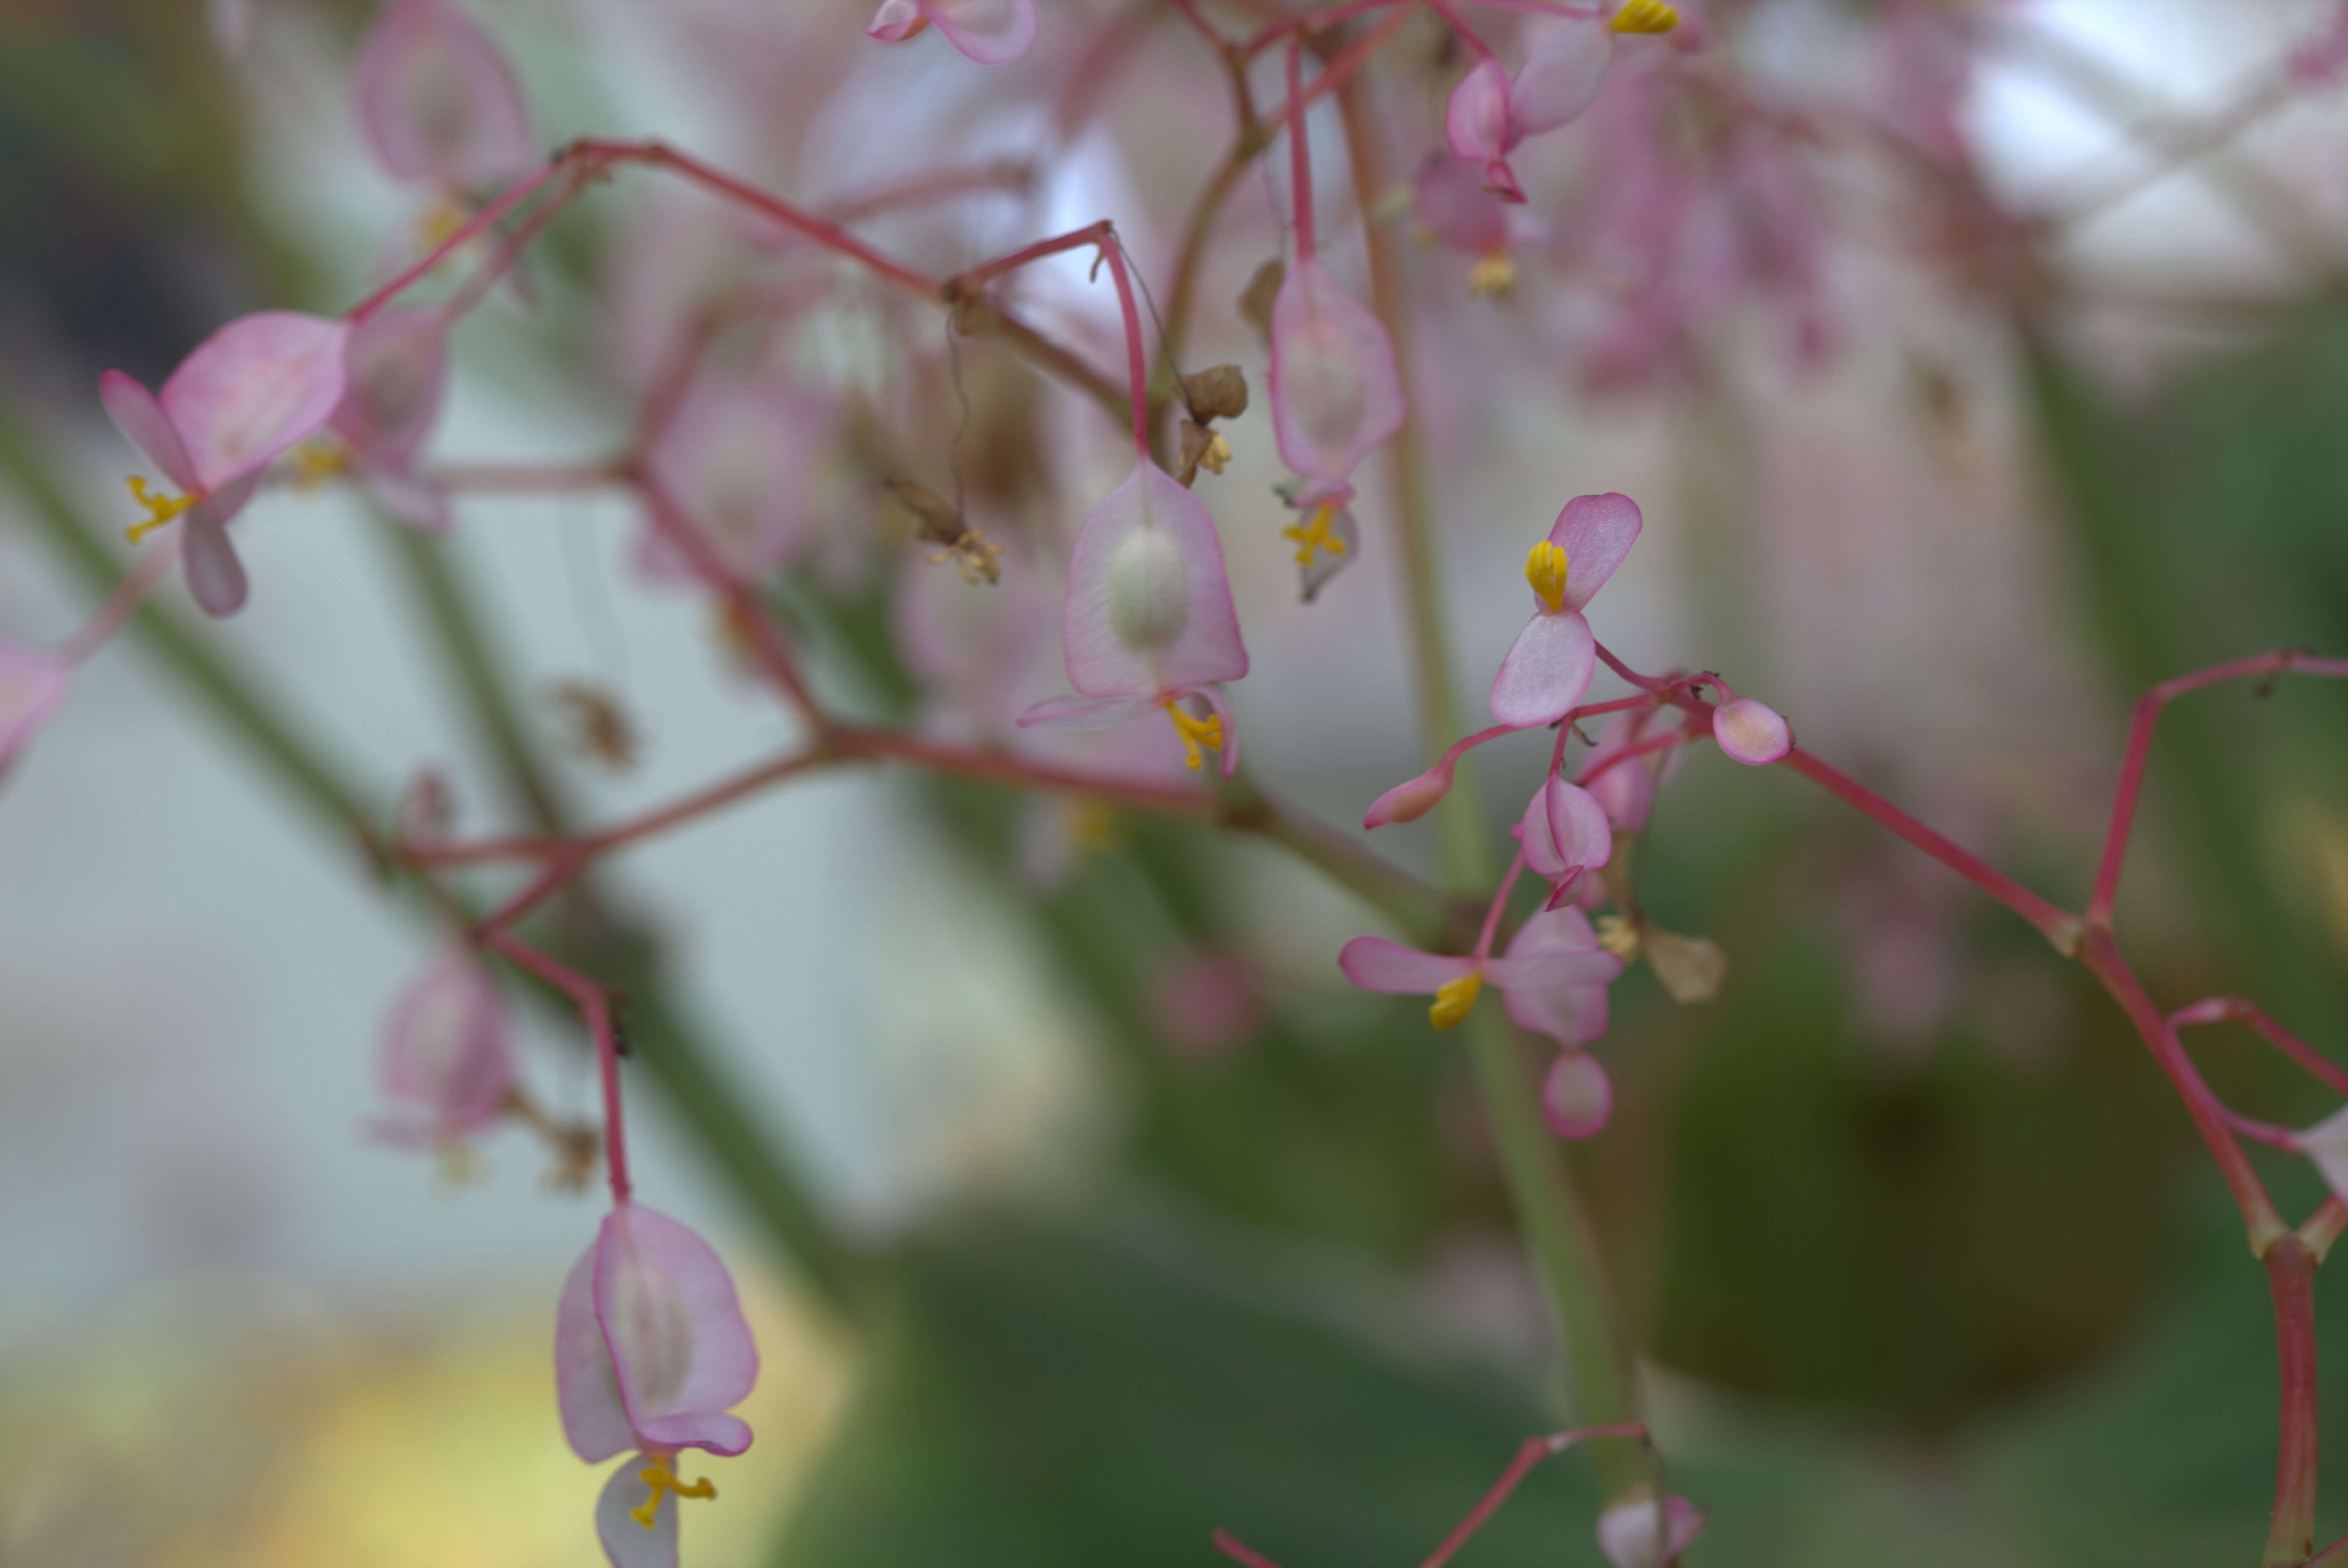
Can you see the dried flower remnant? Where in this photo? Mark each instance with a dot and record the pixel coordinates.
(986, 32)
(599, 727)
(33, 684)
(247, 394)
(937, 520)
(437, 102)
(1548, 668)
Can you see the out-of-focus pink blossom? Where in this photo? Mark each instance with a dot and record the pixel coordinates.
(446, 1061)
(1561, 78)
(33, 684)
(987, 32)
(1633, 1534)
(1626, 790)
(1414, 797)
(248, 394)
(1335, 391)
(397, 365)
(1327, 537)
(1456, 980)
(1478, 126)
(737, 456)
(1565, 834)
(1207, 1004)
(2321, 60)
(1573, 1014)
(1577, 1097)
(1149, 619)
(435, 99)
(1751, 732)
(1548, 668)
(650, 1353)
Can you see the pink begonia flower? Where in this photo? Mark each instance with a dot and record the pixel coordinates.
(1149, 619)
(987, 32)
(1458, 212)
(1328, 539)
(1207, 1004)
(1631, 1535)
(1751, 733)
(446, 1060)
(1562, 76)
(1577, 1097)
(34, 683)
(1626, 790)
(396, 365)
(1565, 834)
(1547, 669)
(1456, 980)
(249, 393)
(2322, 58)
(1478, 126)
(651, 1352)
(436, 100)
(1335, 391)
(1574, 1013)
(737, 456)
(1412, 798)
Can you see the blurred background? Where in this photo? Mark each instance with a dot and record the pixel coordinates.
(1923, 1262)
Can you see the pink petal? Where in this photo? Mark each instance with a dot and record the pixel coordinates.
(1570, 1015)
(1451, 199)
(679, 1350)
(625, 1540)
(1564, 828)
(1334, 392)
(1087, 712)
(446, 1048)
(1376, 964)
(33, 684)
(1412, 798)
(1476, 118)
(988, 31)
(258, 386)
(736, 455)
(1544, 969)
(145, 425)
(396, 365)
(585, 1388)
(1561, 77)
(1751, 733)
(1596, 531)
(215, 577)
(1627, 789)
(1150, 611)
(1576, 1101)
(896, 21)
(1546, 672)
(436, 100)
(1627, 1531)
(2326, 1144)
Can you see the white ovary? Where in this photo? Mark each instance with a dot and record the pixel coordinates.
(1321, 375)
(1149, 591)
(651, 1332)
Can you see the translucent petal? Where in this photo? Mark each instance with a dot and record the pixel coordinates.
(1630, 1535)
(1561, 77)
(1150, 610)
(989, 32)
(1087, 712)
(1596, 531)
(1335, 391)
(1547, 968)
(1449, 195)
(215, 577)
(1547, 670)
(1476, 117)
(436, 100)
(736, 456)
(1375, 964)
(396, 370)
(145, 425)
(1565, 827)
(585, 1386)
(680, 1349)
(626, 1541)
(896, 21)
(255, 388)
(446, 1049)
(1572, 1015)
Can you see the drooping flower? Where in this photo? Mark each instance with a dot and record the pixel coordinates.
(249, 393)
(398, 372)
(1460, 212)
(1336, 394)
(1456, 980)
(1626, 789)
(1149, 619)
(446, 1060)
(987, 32)
(1634, 1534)
(736, 457)
(435, 99)
(1572, 1014)
(1547, 669)
(1565, 835)
(651, 1352)
(1478, 126)
(1750, 732)
(1327, 537)
(34, 683)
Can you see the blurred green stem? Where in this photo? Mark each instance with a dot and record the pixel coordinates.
(1556, 1228)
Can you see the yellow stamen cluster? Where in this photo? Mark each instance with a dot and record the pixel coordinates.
(1196, 732)
(1453, 998)
(1216, 453)
(161, 508)
(314, 462)
(1618, 936)
(660, 1478)
(1493, 276)
(1313, 534)
(975, 556)
(1546, 570)
(1644, 17)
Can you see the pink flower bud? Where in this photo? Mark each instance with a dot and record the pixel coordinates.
(446, 1061)
(435, 99)
(33, 686)
(1632, 1536)
(1576, 1101)
(1411, 799)
(1751, 733)
(1477, 125)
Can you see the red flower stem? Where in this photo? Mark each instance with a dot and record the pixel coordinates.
(514, 195)
(1619, 704)
(510, 246)
(1075, 240)
(2241, 1010)
(945, 180)
(1264, 38)
(2324, 1227)
(563, 868)
(1240, 1552)
(1528, 1454)
(1491, 927)
(150, 566)
(1002, 769)
(1356, 55)
(1137, 362)
(1203, 28)
(1653, 743)
(2332, 1556)
(595, 1005)
(1300, 153)
(2139, 746)
(1644, 683)
(2291, 1276)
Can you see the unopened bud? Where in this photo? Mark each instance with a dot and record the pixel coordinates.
(1751, 732)
(1408, 801)
(1576, 1101)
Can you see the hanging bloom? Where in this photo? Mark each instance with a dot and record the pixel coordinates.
(446, 1060)
(1335, 391)
(736, 457)
(1565, 835)
(1456, 980)
(1750, 733)
(987, 32)
(1326, 536)
(1573, 1014)
(436, 100)
(1631, 1535)
(1561, 78)
(1478, 126)
(1626, 790)
(1460, 212)
(33, 686)
(1149, 619)
(1577, 1097)
(1547, 669)
(398, 368)
(650, 1353)
(249, 393)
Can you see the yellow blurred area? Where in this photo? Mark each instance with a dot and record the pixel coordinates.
(240, 1423)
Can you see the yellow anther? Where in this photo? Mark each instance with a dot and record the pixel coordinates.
(1217, 452)
(440, 221)
(1313, 534)
(1545, 569)
(660, 1478)
(1196, 732)
(1644, 17)
(1493, 276)
(314, 462)
(1618, 936)
(1453, 998)
(161, 509)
